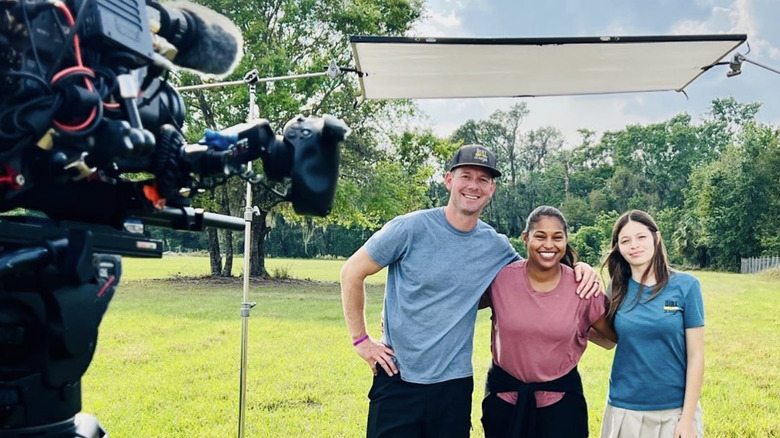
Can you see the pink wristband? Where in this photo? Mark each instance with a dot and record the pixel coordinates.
(361, 339)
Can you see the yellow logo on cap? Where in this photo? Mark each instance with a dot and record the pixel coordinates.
(481, 155)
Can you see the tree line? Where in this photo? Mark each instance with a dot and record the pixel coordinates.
(711, 183)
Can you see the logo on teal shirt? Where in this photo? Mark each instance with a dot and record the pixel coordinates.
(670, 306)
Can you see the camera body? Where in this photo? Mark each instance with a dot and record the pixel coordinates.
(84, 102)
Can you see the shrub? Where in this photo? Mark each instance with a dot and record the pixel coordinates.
(773, 273)
(281, 272)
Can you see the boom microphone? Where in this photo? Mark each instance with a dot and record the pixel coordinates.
(206, 41)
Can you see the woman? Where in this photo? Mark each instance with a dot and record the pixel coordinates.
(540, 331)
(658, 314)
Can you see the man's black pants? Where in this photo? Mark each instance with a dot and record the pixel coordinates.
(410, 410)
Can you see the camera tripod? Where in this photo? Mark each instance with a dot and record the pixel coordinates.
(56, 281)
(55, 286)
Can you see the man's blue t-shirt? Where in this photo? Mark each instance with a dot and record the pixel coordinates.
(436, 276)
(648, 371)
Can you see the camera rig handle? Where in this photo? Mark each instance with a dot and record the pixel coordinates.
(189, 219)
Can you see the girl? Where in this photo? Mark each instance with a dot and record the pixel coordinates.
(540, 331)
(658, 314)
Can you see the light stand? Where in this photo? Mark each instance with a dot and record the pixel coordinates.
(246, 306)
(252, 78)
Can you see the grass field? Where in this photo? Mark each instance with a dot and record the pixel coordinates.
(189, 266)
(168, 356)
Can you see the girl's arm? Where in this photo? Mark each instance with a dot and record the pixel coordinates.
(694, 344)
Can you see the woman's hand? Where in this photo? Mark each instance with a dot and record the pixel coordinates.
(685, 429)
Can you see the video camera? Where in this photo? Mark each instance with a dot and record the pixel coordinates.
(85, 102)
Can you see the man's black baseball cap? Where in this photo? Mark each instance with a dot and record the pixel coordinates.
(475, 155)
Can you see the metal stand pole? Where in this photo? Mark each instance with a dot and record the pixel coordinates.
(246, 306)
(251, 78)
(736, 65)
(743, 58)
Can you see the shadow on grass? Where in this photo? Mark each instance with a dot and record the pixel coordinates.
(305, 402)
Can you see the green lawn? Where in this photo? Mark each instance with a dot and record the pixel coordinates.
(188, 266)
(168, 356)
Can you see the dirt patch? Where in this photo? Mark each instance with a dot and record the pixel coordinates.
(233, 281)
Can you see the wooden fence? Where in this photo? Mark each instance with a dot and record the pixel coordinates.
(757, 264)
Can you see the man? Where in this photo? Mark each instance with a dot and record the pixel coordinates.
(439, 261)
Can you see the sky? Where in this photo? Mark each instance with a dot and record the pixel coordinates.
(758, 19)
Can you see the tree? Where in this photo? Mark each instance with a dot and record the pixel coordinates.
(540, 144)
(736, 198)
(577, 213)
(522, 159)
(720, 197)
(284, 37)
(398, 180)
(501, 134)
(727, 117)
(686, 240)
(658, 158)
(592, 241)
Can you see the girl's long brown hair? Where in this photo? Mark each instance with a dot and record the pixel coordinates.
(620, 271)
(570, 257)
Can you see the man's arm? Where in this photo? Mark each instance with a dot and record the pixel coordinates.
(353, 301)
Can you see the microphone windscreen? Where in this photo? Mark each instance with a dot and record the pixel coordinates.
(216, 46)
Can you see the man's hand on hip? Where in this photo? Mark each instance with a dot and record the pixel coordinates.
(377, 353)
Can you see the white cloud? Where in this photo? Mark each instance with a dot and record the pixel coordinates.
(738, 16)
(444, 18)
(441, 19)
(691, 27)
(438, 25)
(745, 21)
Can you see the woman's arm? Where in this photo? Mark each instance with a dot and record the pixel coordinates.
(694, 345)
(602, 334)
(484, 300)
